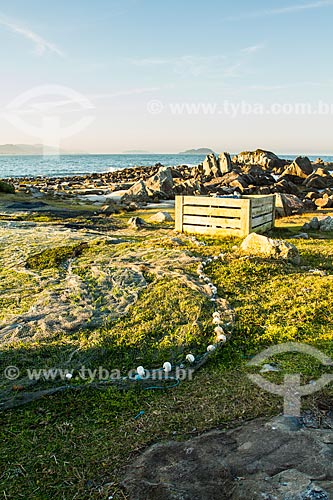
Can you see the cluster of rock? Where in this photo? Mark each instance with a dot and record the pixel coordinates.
(302, 185)
(316, 224)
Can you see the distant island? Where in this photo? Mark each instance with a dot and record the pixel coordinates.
(30, 149)
(200, 151)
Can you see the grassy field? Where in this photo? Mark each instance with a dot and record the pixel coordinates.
(76, 444)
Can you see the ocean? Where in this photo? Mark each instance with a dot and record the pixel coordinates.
(68, 165)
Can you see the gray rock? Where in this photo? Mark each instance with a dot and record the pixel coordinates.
(259, 245)
(137, 193)
(161, 217)
(254, 462)
(314, 224)
(161, 183)
(211, 166)
(28, 205)
(300, 168)
(189, 187)
(225, 164)
(136, 222)
(326, 224)
(265, 159)
(315, 181)
(288, 204)
(301, 236)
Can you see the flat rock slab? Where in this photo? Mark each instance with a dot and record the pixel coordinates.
(260, 460)
(28, 205)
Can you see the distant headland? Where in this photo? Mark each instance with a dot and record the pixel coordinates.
(200, 151)
(30, 149)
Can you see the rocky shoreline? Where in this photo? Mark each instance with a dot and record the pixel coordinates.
(300, 184)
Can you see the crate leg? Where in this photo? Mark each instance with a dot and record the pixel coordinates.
(246, 217)
(179, 216)
(273, 211)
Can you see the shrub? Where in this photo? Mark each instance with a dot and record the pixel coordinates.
(6, 187)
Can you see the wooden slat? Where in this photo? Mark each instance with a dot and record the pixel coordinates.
(212, 211)
(212, 231)
(211, 221)
(274, 211)
(264, 209)
(246, 218)
(261, 220)
(264, 227)
(179, 213)
(261, 200)
(214, 202)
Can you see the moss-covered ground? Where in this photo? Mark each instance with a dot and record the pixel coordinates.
(76, 444)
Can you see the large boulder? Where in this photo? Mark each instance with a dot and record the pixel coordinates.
(255, 461)
(237, 180)
(261, 246)
(161, 184)
(286, 186)
(225, 163)
(265, 159)
(300, 169)
(326, 225)
(137, 193)
(288, 204)
(189, 187)
(211, 167)
(320, 179)
(259, 176)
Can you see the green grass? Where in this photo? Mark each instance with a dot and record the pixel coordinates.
(77, 443)
(54, 257)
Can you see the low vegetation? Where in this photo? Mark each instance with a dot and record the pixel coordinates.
(76, 444)
(54, 257)
(5, 187)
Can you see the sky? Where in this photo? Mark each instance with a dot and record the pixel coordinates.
(110, 76)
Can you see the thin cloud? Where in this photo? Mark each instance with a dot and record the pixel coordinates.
(214, 66)
(282, 10)
(252, 49)
(192, 65)
(129, 92)
(42, 46)
(297, 85)
(66, 105)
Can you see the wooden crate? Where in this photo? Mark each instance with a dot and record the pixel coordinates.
(225, 216)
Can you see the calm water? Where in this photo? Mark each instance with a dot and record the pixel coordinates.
(53, 166)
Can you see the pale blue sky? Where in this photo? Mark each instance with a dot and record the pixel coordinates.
(123, 54)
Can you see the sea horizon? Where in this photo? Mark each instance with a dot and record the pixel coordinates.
(67, 165)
